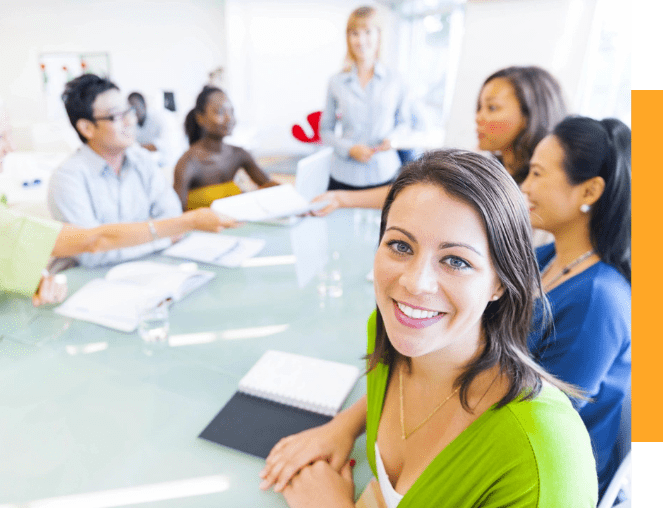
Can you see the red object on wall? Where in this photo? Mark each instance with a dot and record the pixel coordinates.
(314, 122)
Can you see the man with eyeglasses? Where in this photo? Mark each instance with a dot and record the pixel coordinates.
(109, 179)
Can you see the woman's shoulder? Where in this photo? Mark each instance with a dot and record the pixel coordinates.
(608, 299)
(237, 152)
(388, 72)
(558, 446)
(191, 155)
(340, 79)
(545, 411)
(532, 453)
(599, 287)
(609, 281)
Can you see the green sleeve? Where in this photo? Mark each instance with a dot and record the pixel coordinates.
(563, 451)
(376, 385)
(25, 247)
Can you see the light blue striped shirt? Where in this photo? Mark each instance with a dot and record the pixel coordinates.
(86, 192)
(367, 116)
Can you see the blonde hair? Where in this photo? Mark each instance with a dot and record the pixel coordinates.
(362, 15)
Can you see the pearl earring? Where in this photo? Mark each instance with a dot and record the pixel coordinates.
(495, 297)
(584, 208)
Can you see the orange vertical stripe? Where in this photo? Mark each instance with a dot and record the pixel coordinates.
(647, 122)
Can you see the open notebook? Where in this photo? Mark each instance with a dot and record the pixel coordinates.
(282, 394)
(114, 301)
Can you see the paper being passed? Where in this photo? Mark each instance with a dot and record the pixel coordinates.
(265, 204)
(222, 250)
(114, 300)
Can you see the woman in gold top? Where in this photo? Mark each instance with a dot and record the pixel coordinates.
(206, 170)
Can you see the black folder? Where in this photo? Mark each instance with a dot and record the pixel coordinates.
(254, 425)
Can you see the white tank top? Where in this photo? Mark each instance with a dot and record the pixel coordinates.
(391, 497)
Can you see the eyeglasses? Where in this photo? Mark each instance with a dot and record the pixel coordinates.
(116, 117)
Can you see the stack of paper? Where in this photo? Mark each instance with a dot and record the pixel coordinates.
(222, 250)
(265, 204)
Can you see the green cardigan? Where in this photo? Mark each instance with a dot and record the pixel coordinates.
(534, 453)
(26, 244)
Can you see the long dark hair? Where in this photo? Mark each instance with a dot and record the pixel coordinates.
(602, 148)
(541, 103)
(191, 127)
(485, 185)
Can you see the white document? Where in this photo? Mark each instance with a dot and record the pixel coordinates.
(114, 300)
(265, 204)
(222, 250)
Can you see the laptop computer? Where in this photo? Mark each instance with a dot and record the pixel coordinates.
(312, 177)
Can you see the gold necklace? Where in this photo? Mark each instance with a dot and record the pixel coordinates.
(565, 270)
(405, 435)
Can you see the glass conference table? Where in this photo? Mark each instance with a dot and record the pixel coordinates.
(92, 417)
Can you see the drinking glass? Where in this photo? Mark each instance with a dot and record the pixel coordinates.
(153, 323)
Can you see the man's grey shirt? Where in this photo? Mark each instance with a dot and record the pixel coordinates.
(86, 192)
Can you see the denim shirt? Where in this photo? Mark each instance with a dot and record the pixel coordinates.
(367, 116)
(85, 191)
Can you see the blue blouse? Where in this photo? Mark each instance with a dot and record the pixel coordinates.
(590, 348)
(367, 116)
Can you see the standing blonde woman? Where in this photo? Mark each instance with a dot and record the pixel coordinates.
(370, 102)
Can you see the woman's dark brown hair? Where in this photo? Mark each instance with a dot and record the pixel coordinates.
(485, 185)
(193, 131)
(541, 103)
(602, 148)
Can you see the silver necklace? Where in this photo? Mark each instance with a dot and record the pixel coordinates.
(565, 270)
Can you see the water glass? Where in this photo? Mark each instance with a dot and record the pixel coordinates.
(330, 280)
(153, 323)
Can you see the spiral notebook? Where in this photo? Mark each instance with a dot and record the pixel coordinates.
(283, 393)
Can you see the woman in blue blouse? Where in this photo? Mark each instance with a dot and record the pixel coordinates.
(579, 189)
(370, 103)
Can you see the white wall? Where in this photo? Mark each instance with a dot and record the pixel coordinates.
(153, 45)
(281, 55)
(278, 54)
(553, 34)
